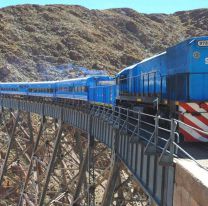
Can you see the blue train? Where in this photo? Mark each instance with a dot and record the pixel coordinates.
(99, 89)
(179, 74)
(176, 79)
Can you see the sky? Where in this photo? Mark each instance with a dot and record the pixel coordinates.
(144, 6)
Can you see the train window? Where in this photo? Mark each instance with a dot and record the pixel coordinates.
(155, 84)
(148, 84)
(121, 84)
(63, 89)
(123, 79)
(142, 85)
(23, 86)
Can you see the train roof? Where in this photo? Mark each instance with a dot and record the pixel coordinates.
(57, 81)
(127, 68)
(152, 57)
(84, 78)
(7, 83)
(145, 60)
(185, 42)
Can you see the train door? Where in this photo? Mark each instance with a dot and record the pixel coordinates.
(145, 84)
(178, 87)
(130, 80)
(136, 82)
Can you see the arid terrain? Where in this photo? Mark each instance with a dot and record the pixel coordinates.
(54, 41)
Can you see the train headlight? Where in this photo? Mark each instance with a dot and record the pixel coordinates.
(206, 60)
(196, 55)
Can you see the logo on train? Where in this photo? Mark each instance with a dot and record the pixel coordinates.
(203, 43)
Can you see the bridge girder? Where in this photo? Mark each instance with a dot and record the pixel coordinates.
(57, 164)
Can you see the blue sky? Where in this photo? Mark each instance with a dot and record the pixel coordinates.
(145, 6)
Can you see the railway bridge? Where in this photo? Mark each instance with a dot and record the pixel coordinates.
(137, 143)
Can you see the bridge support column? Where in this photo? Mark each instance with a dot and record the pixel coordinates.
(32, 160)
(11, 142)
(114, 173)
(30, 127)
(91, 172)
(52, 163)
(1, 114)
(112, 180)
(82, 173)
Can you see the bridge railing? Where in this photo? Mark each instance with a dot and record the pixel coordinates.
(157, 133)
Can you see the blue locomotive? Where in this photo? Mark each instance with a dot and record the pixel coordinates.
(99, 89)
(177, 79)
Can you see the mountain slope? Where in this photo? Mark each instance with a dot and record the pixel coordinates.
(36, 40)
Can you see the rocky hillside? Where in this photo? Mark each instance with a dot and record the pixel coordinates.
(54, 41)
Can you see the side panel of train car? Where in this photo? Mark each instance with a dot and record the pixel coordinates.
(73, 89)
(41, 89)
(100, 89)
(103, 91)
(14, 88)
(142, 81)
(83, 88)
(179, 78)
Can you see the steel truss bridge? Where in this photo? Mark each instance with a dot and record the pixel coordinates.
(137, 142)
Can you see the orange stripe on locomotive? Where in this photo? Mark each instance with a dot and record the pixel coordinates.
(195, 115)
